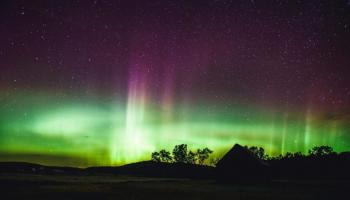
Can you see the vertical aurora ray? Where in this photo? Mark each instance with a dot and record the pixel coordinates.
(308, 128)
(135, 139)
(284, 131)
(133, 142)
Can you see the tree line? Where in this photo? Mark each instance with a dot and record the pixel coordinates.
(181, 154)
(315, 152)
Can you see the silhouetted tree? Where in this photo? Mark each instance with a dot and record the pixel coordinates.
(165, 156)
(192, 157)
(203, 154)
(321, 151)
(213, 161)
(298, 155)
(180, 153)
(295, 155)
(258, 152)
(156, 157)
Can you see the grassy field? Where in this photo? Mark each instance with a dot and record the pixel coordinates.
(27, 186)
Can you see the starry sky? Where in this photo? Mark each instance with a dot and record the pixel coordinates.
(107, 82)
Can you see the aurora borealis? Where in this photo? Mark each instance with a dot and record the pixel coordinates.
(87, 83)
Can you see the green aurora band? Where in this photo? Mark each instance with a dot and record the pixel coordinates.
(35, 128)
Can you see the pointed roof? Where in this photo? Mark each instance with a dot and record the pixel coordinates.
(241, 165)
(239, 155)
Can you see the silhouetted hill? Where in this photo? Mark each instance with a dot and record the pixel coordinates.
(158, 169)
(23, 167)
(145, 168)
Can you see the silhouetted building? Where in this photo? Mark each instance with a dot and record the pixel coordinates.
(240, 165)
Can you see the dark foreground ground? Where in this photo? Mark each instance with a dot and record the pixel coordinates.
(31, 186)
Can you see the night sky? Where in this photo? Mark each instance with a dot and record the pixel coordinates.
(107, 82)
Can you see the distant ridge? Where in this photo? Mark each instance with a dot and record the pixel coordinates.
(144, 168)
(24, 167)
